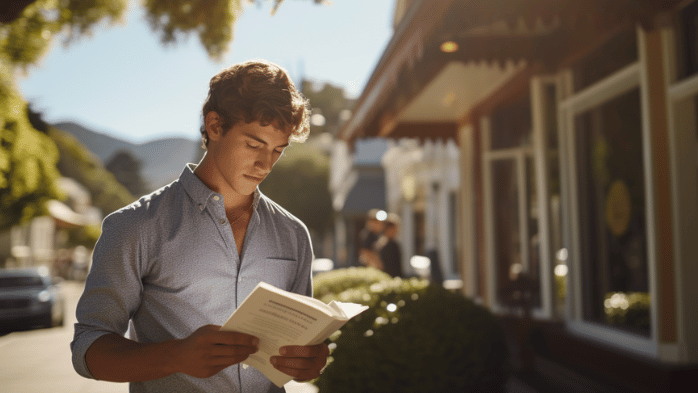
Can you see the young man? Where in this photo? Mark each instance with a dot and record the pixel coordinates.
(172, 267)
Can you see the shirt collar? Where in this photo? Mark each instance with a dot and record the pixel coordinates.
(199, 192)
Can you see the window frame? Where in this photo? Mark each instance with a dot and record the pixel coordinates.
(518, 156)
(682, 116)
(604, 90)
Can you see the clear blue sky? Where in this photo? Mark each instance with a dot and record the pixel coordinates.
(122, 81)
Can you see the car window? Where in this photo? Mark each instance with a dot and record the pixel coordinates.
(19, 282)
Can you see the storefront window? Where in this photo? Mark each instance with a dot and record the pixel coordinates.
(611, 194)
(532, 237)
(557, 251)
(515, 214)
(507, 233)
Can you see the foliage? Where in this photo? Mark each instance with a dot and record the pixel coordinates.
(415, 337)
(27, 38)
(27, 161)
(327, 284)
(28, 35)
(631, 309)
(80, 164)
(329, 101)
(127, 171)
(84, 236)
(300, 184)
(212, 20)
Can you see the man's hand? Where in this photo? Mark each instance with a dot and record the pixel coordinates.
(208, 350)
(303, 363)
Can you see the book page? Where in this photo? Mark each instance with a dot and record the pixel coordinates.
(279, 318)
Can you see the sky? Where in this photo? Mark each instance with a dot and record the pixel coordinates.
(122, 81)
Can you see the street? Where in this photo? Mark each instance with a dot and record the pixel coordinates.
(38, 361)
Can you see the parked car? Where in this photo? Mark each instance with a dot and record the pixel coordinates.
(29, 298)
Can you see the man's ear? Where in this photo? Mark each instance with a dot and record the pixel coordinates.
(213, 125)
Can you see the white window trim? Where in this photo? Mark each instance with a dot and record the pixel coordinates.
(621, 82)
(541, 167)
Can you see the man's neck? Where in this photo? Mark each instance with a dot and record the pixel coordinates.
(210, 177)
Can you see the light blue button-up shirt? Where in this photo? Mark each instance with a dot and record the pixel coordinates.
(168, 264)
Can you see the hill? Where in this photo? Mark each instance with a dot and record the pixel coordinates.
(161, 160)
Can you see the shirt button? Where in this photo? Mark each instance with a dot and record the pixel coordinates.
(216, 198)
(222, 220)
(201, 207)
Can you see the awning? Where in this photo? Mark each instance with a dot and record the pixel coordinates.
(65, 216)
(492, 31)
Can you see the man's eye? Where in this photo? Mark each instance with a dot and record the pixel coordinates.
(252, 145)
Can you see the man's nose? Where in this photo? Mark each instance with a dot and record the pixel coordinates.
(265, 161)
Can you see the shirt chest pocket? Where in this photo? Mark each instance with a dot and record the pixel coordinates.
(279, 272)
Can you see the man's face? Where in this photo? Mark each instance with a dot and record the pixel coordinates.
(245, 154)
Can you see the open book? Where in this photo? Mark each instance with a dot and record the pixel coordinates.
(279, 318)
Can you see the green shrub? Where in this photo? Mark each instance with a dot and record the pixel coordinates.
(336, 281)
(415, 337)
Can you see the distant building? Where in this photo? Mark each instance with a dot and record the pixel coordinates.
(37, 242)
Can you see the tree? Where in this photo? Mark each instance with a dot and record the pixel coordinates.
(299, 183)
(331, 102)
(127, 171)
(27, 26)
(28, 159)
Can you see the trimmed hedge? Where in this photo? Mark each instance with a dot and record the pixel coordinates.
(415, 337)
(327, 284)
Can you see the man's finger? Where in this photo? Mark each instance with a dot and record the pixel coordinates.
(307, 351)
(233, 338)
(293, 363)
(231, 350)
(301, 369)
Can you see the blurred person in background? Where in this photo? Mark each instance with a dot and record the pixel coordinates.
(368, 237)
(174, 265)
(388, 248)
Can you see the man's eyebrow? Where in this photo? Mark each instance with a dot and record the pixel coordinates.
(260, 140)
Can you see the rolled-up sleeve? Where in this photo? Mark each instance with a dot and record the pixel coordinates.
(113, 287)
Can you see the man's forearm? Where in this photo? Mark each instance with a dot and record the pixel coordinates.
(117, 359)
(202, 354)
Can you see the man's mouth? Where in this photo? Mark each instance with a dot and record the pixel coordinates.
(255, 178)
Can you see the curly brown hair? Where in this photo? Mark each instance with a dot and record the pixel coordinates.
(259, 91)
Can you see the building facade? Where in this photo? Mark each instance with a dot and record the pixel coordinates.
(576, 139)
